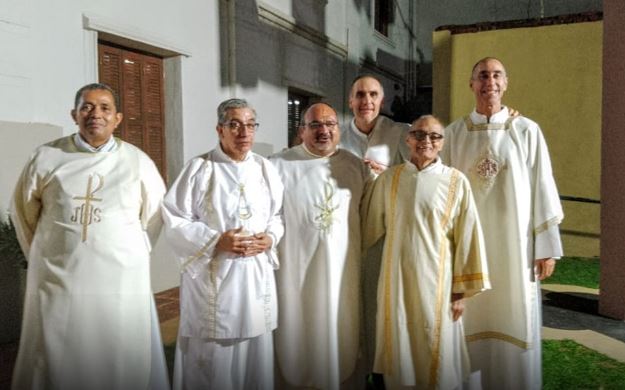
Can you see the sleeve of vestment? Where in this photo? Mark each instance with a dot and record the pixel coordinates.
(152, 191)
(470, 272)
(275, 225)
(26, 204)
(547, 210)
(191, 239)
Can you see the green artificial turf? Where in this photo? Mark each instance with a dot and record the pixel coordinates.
(569, 365)
(576, 271)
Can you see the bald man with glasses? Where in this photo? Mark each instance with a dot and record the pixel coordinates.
(317, 342)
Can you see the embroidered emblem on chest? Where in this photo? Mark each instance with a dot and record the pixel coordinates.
(87, 213)
(326, 208)
(487, 168)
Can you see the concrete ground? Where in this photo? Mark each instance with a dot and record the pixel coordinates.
(569, 312)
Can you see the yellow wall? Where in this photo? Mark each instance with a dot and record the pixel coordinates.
(554, 78)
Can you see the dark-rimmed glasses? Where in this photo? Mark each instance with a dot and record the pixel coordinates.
(421, 135)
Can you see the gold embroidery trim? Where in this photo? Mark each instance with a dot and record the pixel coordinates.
(440, 293)
(486, 126)
(546, 225)
(498, 336)
(388, 336)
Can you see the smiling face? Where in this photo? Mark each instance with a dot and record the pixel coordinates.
(236, 133)
(365, 100)
(425, 141)
(488, 83)
(320, 132)
(96, 116)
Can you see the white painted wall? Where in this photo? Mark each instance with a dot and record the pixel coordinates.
(50, 50)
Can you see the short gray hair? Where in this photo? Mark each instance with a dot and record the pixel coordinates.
(230, 104)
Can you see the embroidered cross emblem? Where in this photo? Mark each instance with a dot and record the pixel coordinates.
(86, 213)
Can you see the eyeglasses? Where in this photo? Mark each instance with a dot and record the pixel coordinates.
(330, 125)
(236, 126)
(421, 135)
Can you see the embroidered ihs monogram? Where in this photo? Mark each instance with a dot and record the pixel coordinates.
(325, 218)
(87, 213)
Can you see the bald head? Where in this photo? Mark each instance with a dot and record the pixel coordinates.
(365, 100)
(488, 83)
(320, 129)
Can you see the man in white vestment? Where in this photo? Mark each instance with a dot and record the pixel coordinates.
(507, 163)
(373, 137)
(380, 142)
(433, 258)
(87, 211)
(222, 218)
(318, 282)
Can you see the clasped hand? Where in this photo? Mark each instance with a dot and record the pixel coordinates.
(243, 245)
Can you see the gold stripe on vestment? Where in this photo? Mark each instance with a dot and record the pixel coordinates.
(546, 225)
(388, 259)
(486, 126)
(498, 336)
(440, 293)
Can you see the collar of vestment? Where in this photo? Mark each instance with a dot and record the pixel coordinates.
(498, 121)
(223, 157)
(433, 165)
(360, 134)
(83, 146)
(318, 155)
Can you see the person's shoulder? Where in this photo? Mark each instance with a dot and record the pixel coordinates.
(389, 124)
(457, 124)
(63, 144)
(524, 122)
(453, 172)
(289, 154)
(391, 171)
(264, 161)
(127, 147)
(348, 156)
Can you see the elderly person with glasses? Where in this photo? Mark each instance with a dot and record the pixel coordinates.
(222, 218)
(433, 258)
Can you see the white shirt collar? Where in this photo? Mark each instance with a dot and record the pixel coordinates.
(318, 155)
(436, 163)
(83, 146)
(224, 157)
(499, 117)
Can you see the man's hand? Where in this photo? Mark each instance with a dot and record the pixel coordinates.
(375, 166)
(457, 305)
(246, 246)
(543, 268)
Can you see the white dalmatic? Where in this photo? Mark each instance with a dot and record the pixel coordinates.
(318, 282)
(225, 296)
(433, 247)
(84, 220)
(507, 163)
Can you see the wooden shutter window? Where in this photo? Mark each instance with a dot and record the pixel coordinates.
(138, 79)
